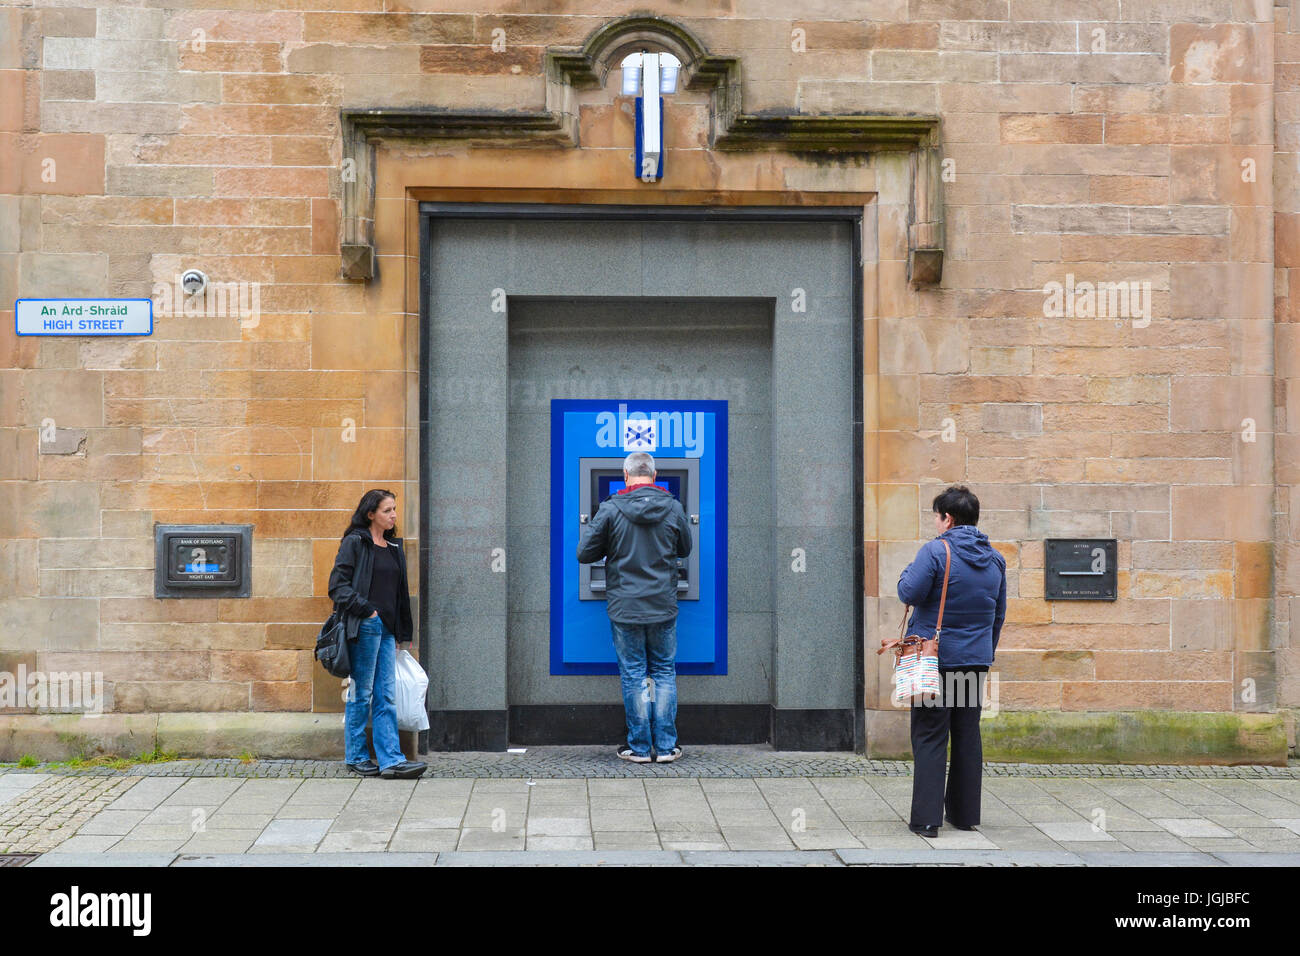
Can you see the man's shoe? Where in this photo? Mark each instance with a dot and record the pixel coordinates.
(367, 769)
(957, 825)
(669, 757)
(930, 832)
(627, 753)
(404, 770)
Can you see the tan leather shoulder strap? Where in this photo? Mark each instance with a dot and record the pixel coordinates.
(943, 596)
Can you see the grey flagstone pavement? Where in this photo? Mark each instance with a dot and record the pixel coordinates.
(841, 811)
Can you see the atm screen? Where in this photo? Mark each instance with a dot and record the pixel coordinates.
(612, 484)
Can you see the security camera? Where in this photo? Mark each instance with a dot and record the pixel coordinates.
(193, 282)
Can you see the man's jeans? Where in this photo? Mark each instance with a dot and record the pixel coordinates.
(647, 666)
(374, 683)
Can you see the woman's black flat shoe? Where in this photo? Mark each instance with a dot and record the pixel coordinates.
(406, 770)
(931, 832)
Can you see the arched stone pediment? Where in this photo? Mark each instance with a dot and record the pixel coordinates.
(575, 68)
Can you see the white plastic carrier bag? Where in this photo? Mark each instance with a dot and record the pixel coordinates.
(412, 686)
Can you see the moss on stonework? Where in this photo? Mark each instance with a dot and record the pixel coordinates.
(1129, 737)
(1144, 737)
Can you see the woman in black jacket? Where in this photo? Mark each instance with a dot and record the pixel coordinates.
(369, 584)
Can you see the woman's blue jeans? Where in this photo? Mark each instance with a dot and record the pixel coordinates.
(648, 668)
(372, 695)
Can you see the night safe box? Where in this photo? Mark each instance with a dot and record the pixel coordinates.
(210, 560)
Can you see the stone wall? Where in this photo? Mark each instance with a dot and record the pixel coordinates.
(1089, 140)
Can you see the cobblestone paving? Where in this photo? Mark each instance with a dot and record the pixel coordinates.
(711, 761)
(41, 816)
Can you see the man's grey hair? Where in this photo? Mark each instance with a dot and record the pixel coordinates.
(639, 465)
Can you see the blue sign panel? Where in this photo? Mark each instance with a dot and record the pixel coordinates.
(688, 441)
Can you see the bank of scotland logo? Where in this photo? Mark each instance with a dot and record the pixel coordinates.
(639, 435)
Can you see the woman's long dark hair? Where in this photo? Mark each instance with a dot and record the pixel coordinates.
(371, 501)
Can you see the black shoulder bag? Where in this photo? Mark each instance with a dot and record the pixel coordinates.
(332, 645)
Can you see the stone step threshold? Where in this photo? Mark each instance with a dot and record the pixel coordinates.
(585, 858)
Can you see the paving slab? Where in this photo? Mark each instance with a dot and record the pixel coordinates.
(762, 858)
(147, 793)
(697, 843)
(826, 839)
(221, 841)
(203, 791)
(306, 811)
(536, 843)
(1144, 858)
(87, 843)
(558, 826)
(1269, 839)
(1017, 838)
(744, 817)
(958, 857)
(14, 785)
(632, 819)
(104, 859)
(485, 838)
(307, 859)
(1253, 859)
(1076, 831)
(757, 838)
(128, 845)
(354, 841)
(119, 822)
(1192, 827)
(1214, 845)
(625, 840)
(950, 838)
(226, 820)
(294, 832)
(351, 819)
(1158, 840)
(424, 840)
(177, 814)
(563, 858)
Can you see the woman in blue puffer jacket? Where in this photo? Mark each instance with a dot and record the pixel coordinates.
(972, 623)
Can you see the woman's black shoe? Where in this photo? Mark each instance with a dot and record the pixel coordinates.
(367, 769)
(957, 825)
(924, 831)
(405, 770)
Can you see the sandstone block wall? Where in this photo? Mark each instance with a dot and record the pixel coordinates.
(1145, 142)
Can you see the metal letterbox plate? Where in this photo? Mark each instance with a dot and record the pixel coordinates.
(1080, 569)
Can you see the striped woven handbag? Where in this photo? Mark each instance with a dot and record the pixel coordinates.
(916, 659)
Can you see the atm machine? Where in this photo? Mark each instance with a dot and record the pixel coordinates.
(589, 441)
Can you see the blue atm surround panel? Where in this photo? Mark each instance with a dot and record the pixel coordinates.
(688, 441)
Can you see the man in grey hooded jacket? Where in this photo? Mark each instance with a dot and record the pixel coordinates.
(641, 532)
